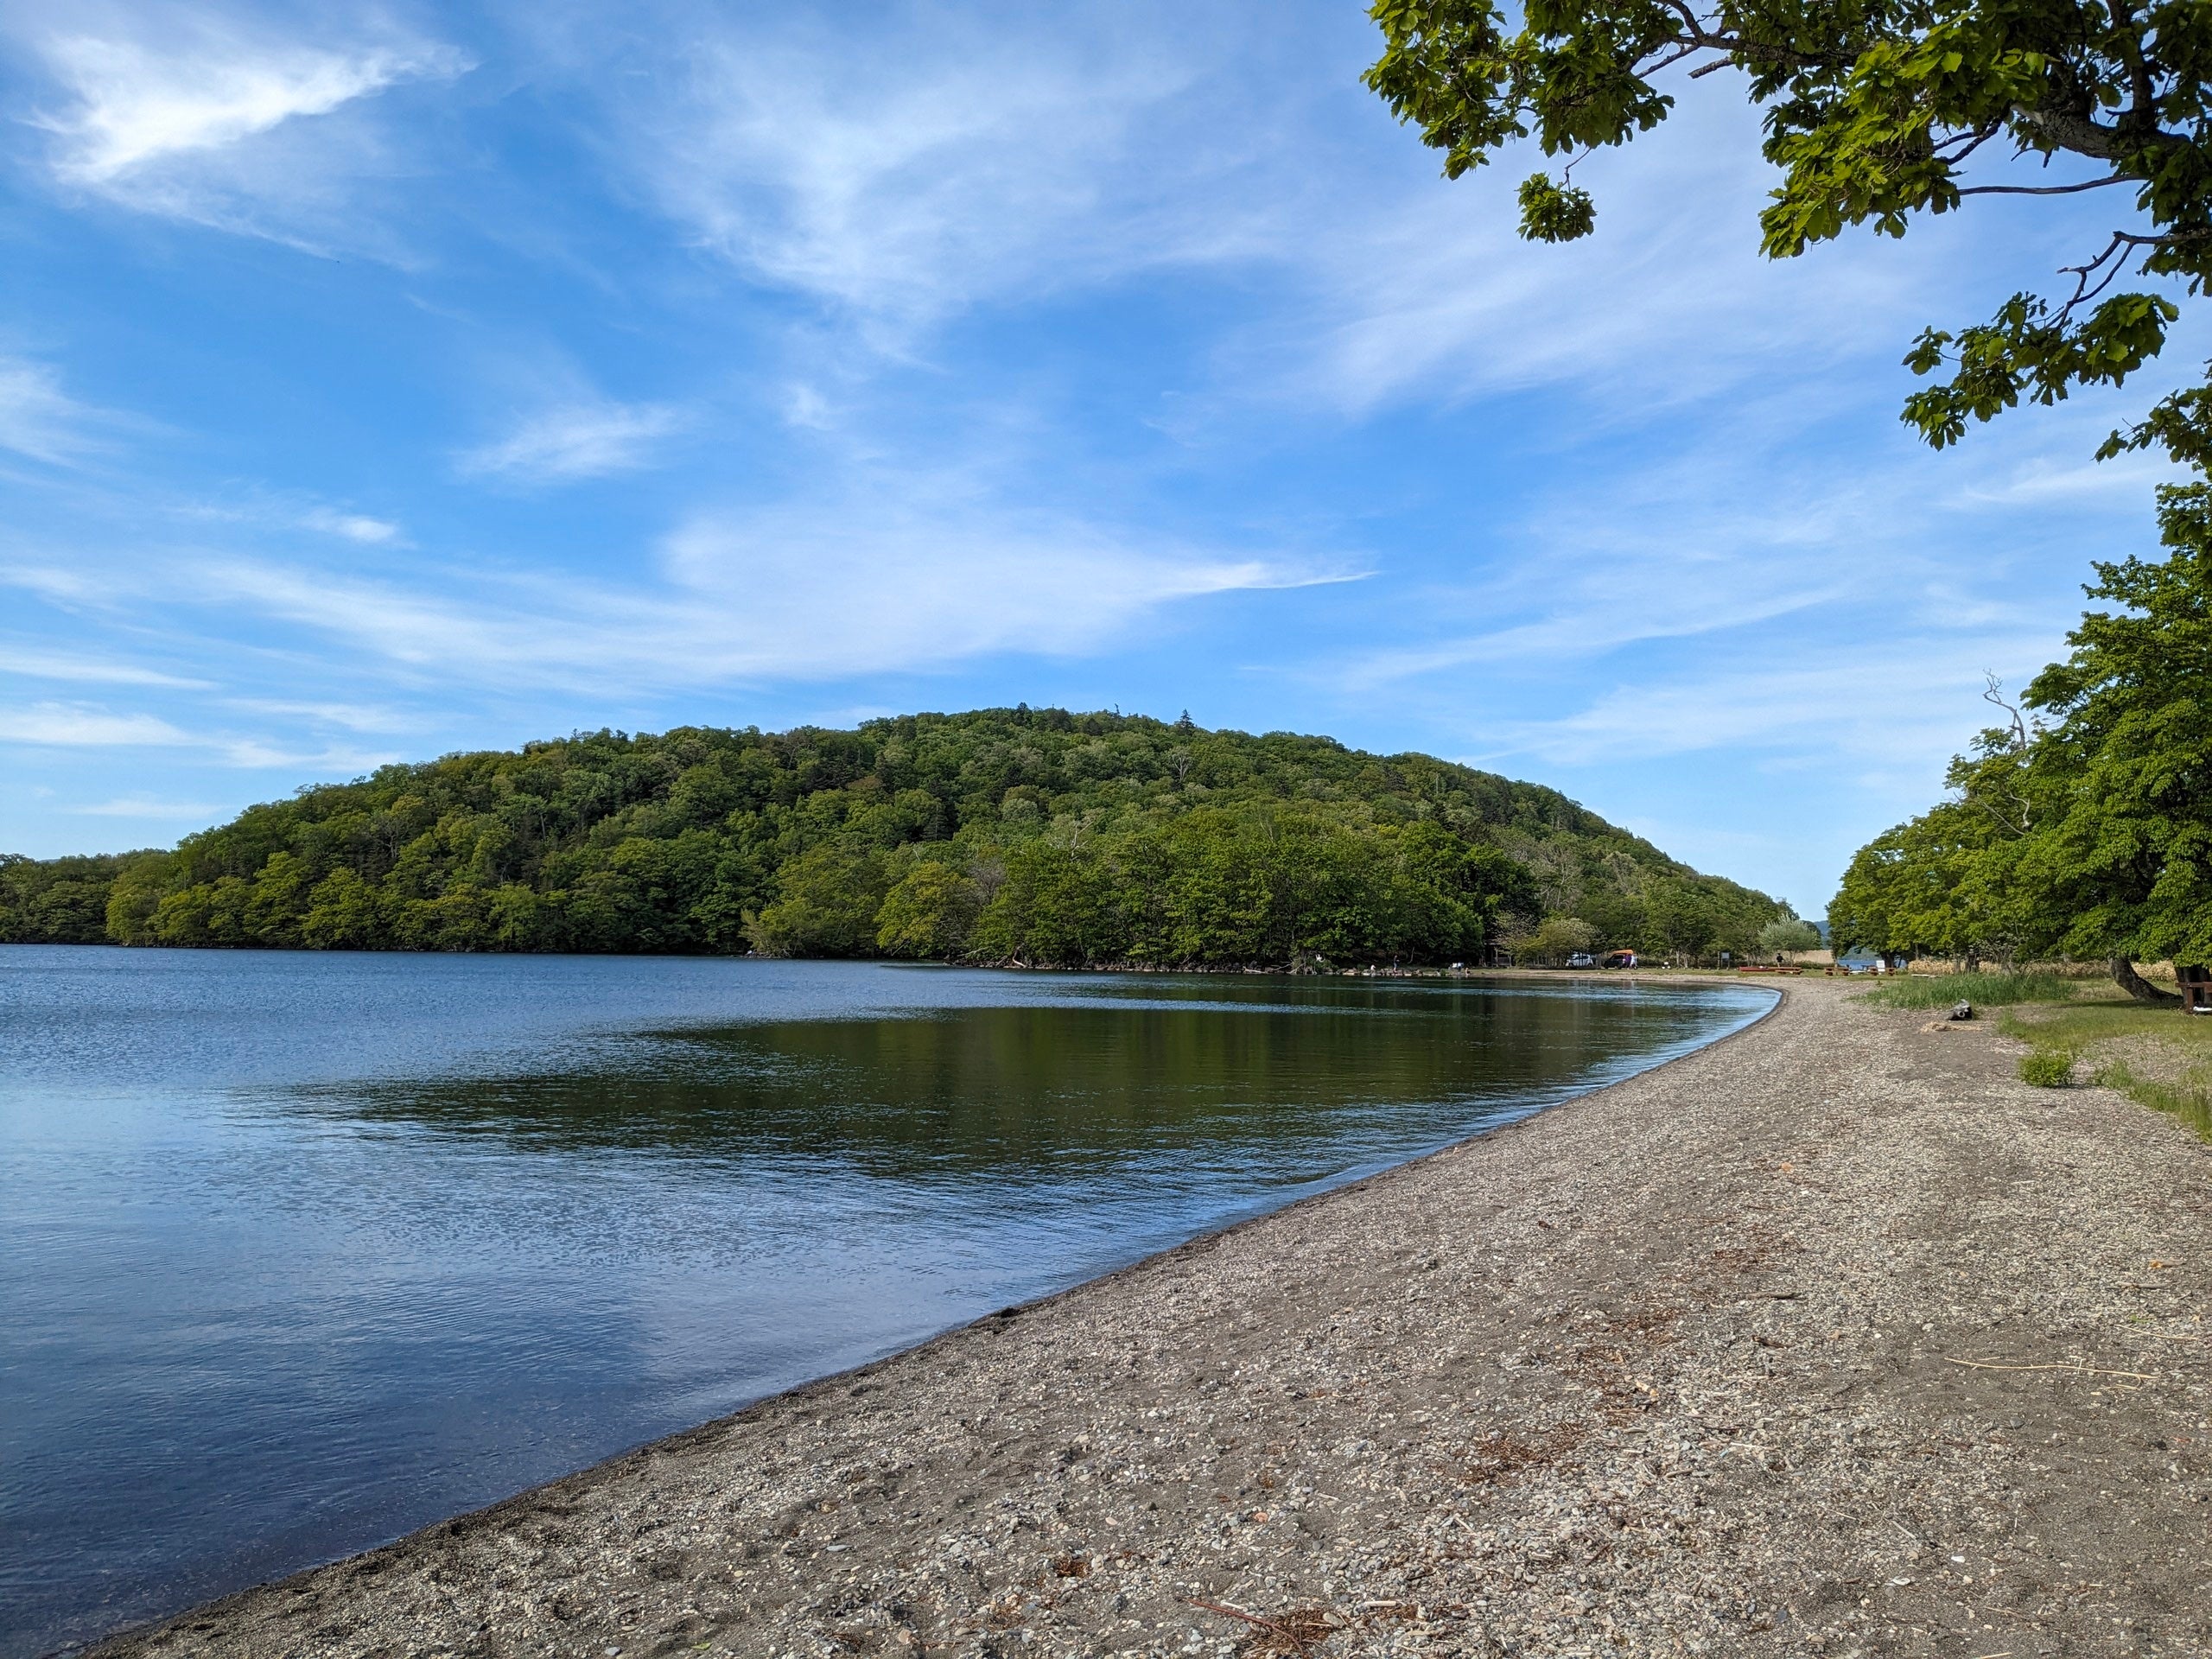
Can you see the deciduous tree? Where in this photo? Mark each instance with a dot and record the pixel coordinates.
(2090, 832)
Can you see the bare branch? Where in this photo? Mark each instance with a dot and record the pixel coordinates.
(1993, 692)
(2112, 261)
(1686, 49)
(1696, 37)
(1971, 139)
(2044, 189)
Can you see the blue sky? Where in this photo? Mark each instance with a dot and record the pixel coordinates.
(379, 383)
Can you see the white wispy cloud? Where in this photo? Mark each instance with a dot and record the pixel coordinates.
(142, 806)
(1610, 601)
(94, 726)
(1407, 288)
(1908, 703)
(348, 716)
(577, 441)
(34, 661)
(807, 594)
(929, 583)
(51, 582)
(136, 104)
(200, 117)
(79, 725)
(941, 160)
(902, 172)
(39, 420)
(351, 526)
(1741, 538)
(267, 510)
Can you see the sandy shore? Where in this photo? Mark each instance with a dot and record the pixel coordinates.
(1831, 1338)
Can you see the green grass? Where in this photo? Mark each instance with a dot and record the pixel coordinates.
(2076, 1030)
(2189, 1101)
(2047, 1068)
(1983, 990)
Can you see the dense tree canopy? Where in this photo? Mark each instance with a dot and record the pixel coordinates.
(59, 900)
(1030, 835)
(2088, 832)
(1875, 110)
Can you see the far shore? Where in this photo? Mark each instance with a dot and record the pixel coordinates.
(1833, 1337)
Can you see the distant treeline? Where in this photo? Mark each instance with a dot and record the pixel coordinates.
(1006, 835)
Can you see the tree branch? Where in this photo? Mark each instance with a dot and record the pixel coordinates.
(2044, 189)
(1686, 49)
(1696, 37)
(2085, 137)
(1973, 139)
(2142, 110)
(2121, 240)
(1993, 692)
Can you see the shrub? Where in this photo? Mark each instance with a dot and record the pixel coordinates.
(2047, 1068)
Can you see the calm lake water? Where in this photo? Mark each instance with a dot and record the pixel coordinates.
(299, 1252)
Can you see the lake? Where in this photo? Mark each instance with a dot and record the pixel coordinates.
(299, 1252)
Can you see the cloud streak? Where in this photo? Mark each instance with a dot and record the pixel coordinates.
(36, 663)
(89, 726)
(39, 420)
(141, 806)
(83, 726)
(1891, 707)
(777, 596)
(351, 526)
(577, 441)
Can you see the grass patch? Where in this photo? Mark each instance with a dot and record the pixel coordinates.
(2184, 1089)
(2189, 1101)
(1983, 990)
(2047, 1068)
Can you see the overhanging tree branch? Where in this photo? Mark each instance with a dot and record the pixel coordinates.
(1872, 114)
(2043, 189)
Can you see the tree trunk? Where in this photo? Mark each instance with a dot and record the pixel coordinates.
(2125, 977)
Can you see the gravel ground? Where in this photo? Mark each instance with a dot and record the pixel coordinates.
(1832, 1339)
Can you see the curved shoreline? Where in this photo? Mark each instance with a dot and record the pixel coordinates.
(1471, 1403)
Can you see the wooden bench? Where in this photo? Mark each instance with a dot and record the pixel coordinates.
(2195, 983)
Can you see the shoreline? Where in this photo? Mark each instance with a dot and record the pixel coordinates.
(1412, 971)
(1201, 1450)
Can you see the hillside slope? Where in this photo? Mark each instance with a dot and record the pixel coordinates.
(1004, 835)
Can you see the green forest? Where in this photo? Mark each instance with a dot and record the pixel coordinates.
(1021, 835)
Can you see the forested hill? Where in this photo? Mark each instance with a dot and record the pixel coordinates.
(1018, 835)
